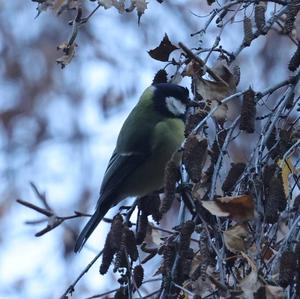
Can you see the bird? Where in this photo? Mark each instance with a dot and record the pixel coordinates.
(151, 134)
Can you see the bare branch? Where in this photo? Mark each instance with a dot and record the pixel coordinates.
(71, 288)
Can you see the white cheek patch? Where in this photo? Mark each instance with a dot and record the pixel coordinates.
(175, 106)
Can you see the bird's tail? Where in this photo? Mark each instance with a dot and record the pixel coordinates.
(90, 227)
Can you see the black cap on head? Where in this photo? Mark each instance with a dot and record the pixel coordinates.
(171, 99)
(173, 90)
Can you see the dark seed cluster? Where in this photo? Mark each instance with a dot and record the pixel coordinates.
(194, 156)
(297, 252)
(108, 255)
(275, 200)
(185, 235)
(141, 228)
(248, 112)
(172, 175)
(260, 18)
(121, 293)
(177, 258)
(248, 33)
(149, 205)
(160, 77)
(271, 142)
(112, 243)
(138, 275)
(168, 252)
(121, 244)
(193, 120)
(236, 71)
(233, 175)
(295, 60)
(217, 146)
(293, 8)
(287, 268)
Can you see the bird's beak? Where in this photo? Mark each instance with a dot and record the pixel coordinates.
(193, 103)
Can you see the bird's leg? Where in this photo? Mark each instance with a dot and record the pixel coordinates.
(129, 213)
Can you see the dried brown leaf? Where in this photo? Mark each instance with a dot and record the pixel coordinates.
(250, 283)
(118, 4)
(163, 51)
(213, 92)
(223, 70)
(239, 208)
(221, 113)
(235, 238)
(69, 53)
(193, 69)
(141, 6)
(274, 292)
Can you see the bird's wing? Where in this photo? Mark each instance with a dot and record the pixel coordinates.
(132, 149)
(120, 166)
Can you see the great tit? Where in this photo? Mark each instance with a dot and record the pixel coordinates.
(152, 132)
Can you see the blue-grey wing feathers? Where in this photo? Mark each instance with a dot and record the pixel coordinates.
(120, 166)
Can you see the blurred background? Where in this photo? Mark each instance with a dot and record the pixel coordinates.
(58, 126)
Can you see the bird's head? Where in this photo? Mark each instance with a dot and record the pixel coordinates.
(171, 100)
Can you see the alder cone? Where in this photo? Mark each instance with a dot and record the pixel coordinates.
(194, 157)
(234, 174)
(248, 112)
(248, 33)
(287, 268)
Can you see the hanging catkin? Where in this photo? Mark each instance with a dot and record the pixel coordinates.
(292, 10)
(248, 33)
(295, 60)
(248, 112)
(260, 18)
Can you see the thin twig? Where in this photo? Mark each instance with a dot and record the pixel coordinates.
(183, 289)
(27, 204)
(102, 294)
(191, 55)
(257, 33)
(212, 111)
(86, 19)
(53, 220)
(40, 196)
(71, 288)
